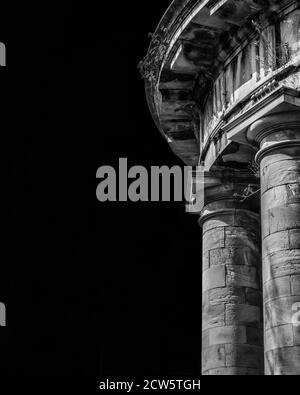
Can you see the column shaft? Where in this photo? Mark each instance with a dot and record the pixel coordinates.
(232, 336)
(280, 204)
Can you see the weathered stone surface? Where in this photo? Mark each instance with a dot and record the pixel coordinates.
(296, 330)
(237, 237)
(238, 256)
(213, 239)
(284, 218)
(282, 263)
(238, 314)
(265, 224)
(205, 339)
(284, 154)
(214, 277)
(242, 276)
(247, 220)
(213, 315)
(205, 261)
(280, 336)
(294, 236)
(280, 173)
(276, 288)
(227, 295)
(276, 242)
(233, 274)
(244, 355)
(295, 285)
(221, 221)
(280, 218)
(283, 361)
(228, 334)
(281, 196)
(213, 357)
(279, 311)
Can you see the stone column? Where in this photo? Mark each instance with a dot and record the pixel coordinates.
(278, 137)
(232, 336)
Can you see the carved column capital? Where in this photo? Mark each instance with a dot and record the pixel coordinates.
(278, 132)
(228, 191)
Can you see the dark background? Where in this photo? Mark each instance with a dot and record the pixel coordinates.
(110, 289)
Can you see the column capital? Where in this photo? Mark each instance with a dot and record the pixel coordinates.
(280, 126)
(229, 191)
(278, 132)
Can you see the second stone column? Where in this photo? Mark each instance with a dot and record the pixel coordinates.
(278, 137)
(232, 339)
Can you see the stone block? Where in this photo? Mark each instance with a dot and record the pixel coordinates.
(242, 276)
(284, 218)
(213, 316)
(295, 285)
(222, 221)
(281, 173)
(227, 334)
(240, 238)
(284, 155)
(276, 242)
(293, 193)
(213, 357)
(269, 363)
(247, 220)
(282, 263)
(214, 277)
(279, 311)
(205, 261)
(243, 314)
(221, 256)
(283, 361)
(276, 288)
(214, 239)
(205, 339)
(227, 295)
(274, 197)
(265, 224)
(280, 336)
(294, 235)
(237, 256)
(296, 330)
(244, 356)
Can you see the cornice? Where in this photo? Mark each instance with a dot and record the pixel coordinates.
(169, 36)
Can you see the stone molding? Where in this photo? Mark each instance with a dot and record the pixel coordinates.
(265, 126)
(275, 147)
(207, 215)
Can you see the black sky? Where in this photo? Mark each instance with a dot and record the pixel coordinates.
(112, 288)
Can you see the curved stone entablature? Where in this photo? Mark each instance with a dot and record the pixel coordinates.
(215, 66)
